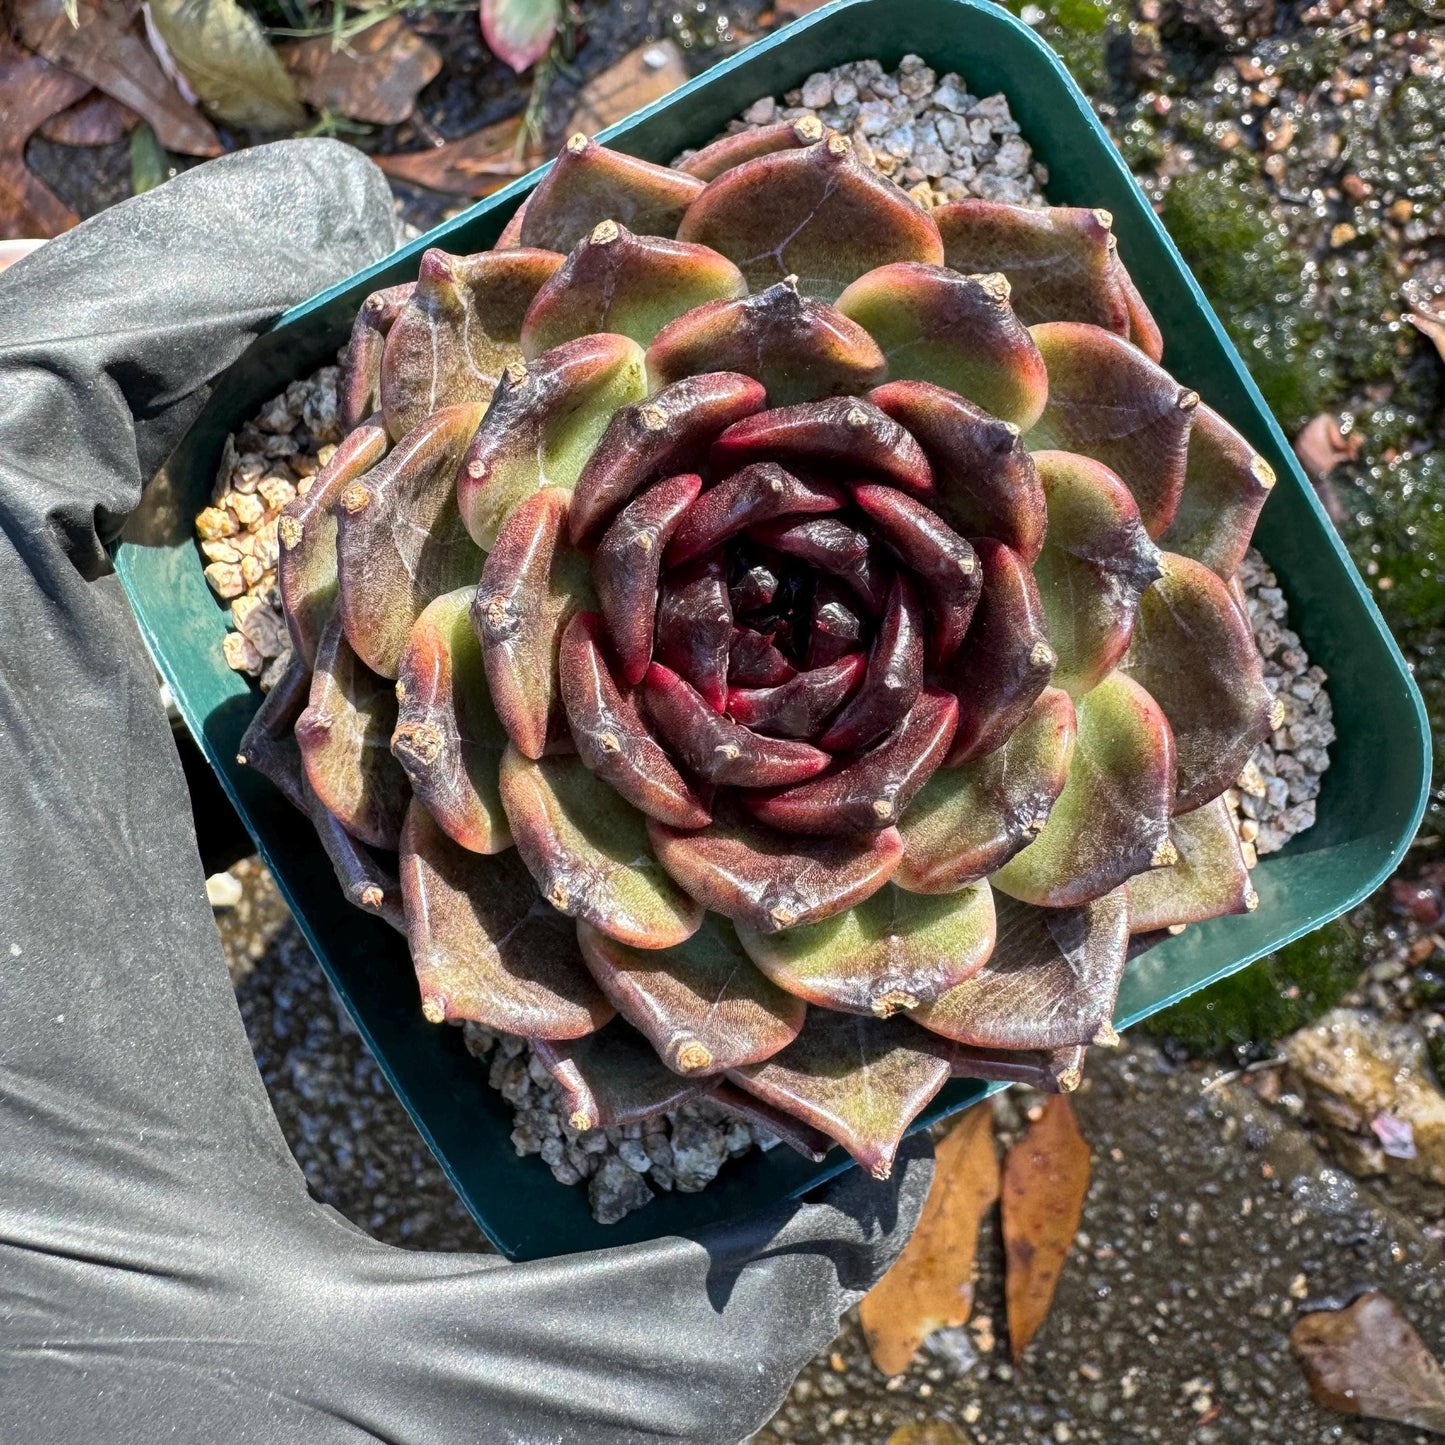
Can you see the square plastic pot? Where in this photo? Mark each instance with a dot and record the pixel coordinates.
(1373, 794)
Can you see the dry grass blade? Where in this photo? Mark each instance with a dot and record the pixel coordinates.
(930, 1286)
(1045, 1178)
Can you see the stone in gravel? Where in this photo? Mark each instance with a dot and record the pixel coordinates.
(615, 1191)
(817, 91)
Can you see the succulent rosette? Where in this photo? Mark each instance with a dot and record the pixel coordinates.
(786, 637)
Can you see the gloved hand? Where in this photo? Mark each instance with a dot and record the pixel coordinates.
(163, 1272)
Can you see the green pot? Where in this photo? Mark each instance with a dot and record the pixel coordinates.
(1373, 794)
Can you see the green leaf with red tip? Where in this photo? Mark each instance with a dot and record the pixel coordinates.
(400, 540)
(665, 435)
(1144, 331)
(612, 740)
(448, 737)
(627, 563)
(968, 821)
(1112, 819)
(484, 945)
(695, 627)
(588, 184)
(862, 1081)
(306, 537)
(756, 493)
(1095, 565)
(613, 1077)
(1194, 652)
(835, 629)
(1209, 880)
(894, 677)
(753, 661)
(811, 1143)
(459, 330)
(633, 285)
(1110, 402)
(1005, 661)
(588, 851)
(730, 151)
(1050, 982)
(799, 349)
(818, 214)
(532, 585)
(1051, 1071)
(848, 432)
(956, 331)
(716, 748)
(985, 482)
(1226, 483)
(520, 32)
(544, 423)
(769, 880)
(345, 739)
(893, 951)
(702, 1004)
(942, 560)
(876, 787)
(361, 383)
(799, 707)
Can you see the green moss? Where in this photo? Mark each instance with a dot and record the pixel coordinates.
(1284, 991)
(1079, 31)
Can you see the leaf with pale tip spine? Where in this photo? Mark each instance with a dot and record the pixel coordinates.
(893, 951)
(1209, 880)
(811, 1143)
(695, 627)
(1051, 1071)
(361, 382)
(828, 544)
(484, 945)
(589, 854)
(894, 677)
(701, 1004)
(729, 151)
(835, 628)
(798, 707)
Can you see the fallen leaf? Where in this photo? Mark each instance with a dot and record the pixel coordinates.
(639, 78)
(1045, 1178)
(928, 1432)
(31, 91)
(792, 9)
(221, 50)
(474, 165)
(374, 77)
(1367, 1359)
(1322, 446)
(106, 48)
(1426, 313)
(149, 166)
(94, 120)
(930, 1286)
(520, 31)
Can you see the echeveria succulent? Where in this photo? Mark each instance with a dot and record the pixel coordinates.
(740, 606)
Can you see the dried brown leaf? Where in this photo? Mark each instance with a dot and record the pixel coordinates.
(930, 1287)
(474, 165)
(1045, 1178)
(639, 78)
(94, 120)
(374, 77)
(31, 91)
(1322, 446)
(928, 1432)
(1367, 1359)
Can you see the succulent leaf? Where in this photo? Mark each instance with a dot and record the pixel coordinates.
(893, 951)
(664, 436)
(611, 737)
(811, 1143)
(768, 880)
(484, 945)
(1226, 483)
(1112, 818)
(532, 585)
(861, 1081)
(448, 737)
(1110, 402)
(399, 538)
(729, 151)
(618, 282)
(695, 627)
(366, 884)
(986, 485)
(1096, 563)
(1209, 880)
(1005, 660)
(588, 852)
(702, 1004)
(817, 213)
(361, 383)
(833, 546)
(1050, 982)
(757, 493)
(589, 184)
(543, 426)
(834, 628)
(874, 789)
(458, 331)
(798, 707)
(894, 678)
(799, 349)
(306, 538)
(753, 662)
(345, 740)
(959, 332)
(1194, 653)
(1051, 1071)
(968, 821)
